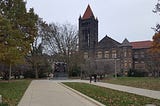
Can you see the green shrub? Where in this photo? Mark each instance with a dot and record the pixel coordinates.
(4, 104)
(137, 73)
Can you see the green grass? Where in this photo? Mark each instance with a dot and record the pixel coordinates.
(111, 97)
(139, 82)
(4, 104)
(13, 91)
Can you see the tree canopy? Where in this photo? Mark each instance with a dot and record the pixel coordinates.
(156, 37)
(17, 30)
(154, 63)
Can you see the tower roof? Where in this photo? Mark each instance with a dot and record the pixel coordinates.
(88, 13)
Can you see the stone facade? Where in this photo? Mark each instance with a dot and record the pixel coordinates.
(108, 55)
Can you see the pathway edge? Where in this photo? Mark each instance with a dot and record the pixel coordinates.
(82, 95)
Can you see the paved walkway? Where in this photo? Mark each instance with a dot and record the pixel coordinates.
(51, 93)
(138, 91)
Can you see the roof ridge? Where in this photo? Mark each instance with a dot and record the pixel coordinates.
(142, 41)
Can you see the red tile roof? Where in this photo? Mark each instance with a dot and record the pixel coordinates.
(88, 13)
(141, 44)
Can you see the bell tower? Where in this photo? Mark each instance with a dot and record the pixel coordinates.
(88, 32)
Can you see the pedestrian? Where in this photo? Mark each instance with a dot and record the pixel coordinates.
(50, 76)
(90, 78)
(95, 77)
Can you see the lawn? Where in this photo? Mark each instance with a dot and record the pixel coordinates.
(139, 82)
(13, 91)
(111, 97)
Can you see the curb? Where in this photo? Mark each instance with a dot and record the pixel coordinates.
(82, 95)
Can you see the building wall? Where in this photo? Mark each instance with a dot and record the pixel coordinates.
(140, 58)
(88, 35)
(107, 55)
(126, 58)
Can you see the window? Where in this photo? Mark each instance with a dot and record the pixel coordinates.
(125, 54)
(106, 54)
(142, 54)
(99, 55)
(129, 53)
(85, 55)
(136, 62)
(125, 63)
(139, 66)
(130, 64)
(114, 55)
(136, 55)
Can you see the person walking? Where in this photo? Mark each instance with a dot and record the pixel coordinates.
(90, 78)
(95, 77)
(50, 76)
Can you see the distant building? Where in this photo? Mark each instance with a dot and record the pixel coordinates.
(109, 55)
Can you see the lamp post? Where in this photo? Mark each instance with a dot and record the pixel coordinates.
(115, 71)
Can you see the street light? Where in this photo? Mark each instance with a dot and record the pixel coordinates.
(115, 71)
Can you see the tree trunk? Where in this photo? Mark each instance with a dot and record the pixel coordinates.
(158, 73)
(36, 71)
(10, 72)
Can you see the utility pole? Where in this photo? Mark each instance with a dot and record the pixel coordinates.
(115, 68)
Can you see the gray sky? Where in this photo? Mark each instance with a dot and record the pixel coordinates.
(119, 19)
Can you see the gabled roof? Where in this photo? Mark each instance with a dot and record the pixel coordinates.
(88, 13)
(141, 44)
(125, 43)
(107, 43)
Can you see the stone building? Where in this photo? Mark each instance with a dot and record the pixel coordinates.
(108, 55)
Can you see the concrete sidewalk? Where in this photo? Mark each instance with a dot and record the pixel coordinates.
(50, 93)
(138, 91)
(53, 93)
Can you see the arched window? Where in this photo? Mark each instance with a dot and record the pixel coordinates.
(99, 54)
(106, 54)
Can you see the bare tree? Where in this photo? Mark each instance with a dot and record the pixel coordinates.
(154, 60)
(61, 41)
(36, 58)
(157, 11)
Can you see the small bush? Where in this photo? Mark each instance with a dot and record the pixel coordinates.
(75, 72)
(137, 73)
(4, 104)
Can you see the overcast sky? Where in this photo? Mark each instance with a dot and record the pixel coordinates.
(119, 19)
